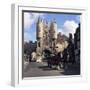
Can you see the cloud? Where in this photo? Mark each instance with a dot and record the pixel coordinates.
(61, 30)
(70, 27)
(30, 18)
(27, 37)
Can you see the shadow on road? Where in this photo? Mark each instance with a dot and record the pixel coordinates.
(46, 68)
(73, 69)
(35, 69)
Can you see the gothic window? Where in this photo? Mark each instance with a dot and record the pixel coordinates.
(38, 44)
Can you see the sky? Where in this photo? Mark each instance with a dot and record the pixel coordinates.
(66, 23)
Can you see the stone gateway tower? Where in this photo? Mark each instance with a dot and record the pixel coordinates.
(42, 37)
(53, 35)
(40, 32)
(47, 37)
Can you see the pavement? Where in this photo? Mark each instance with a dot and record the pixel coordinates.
(25, 64)
(35, 69)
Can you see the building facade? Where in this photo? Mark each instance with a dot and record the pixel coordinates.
(48, 37)
(77, 44)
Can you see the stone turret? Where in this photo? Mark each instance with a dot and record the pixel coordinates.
(53, 30)
(53, 35)
(40, 32)
(40, 27)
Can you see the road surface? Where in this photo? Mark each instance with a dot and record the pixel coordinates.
(35, 69)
